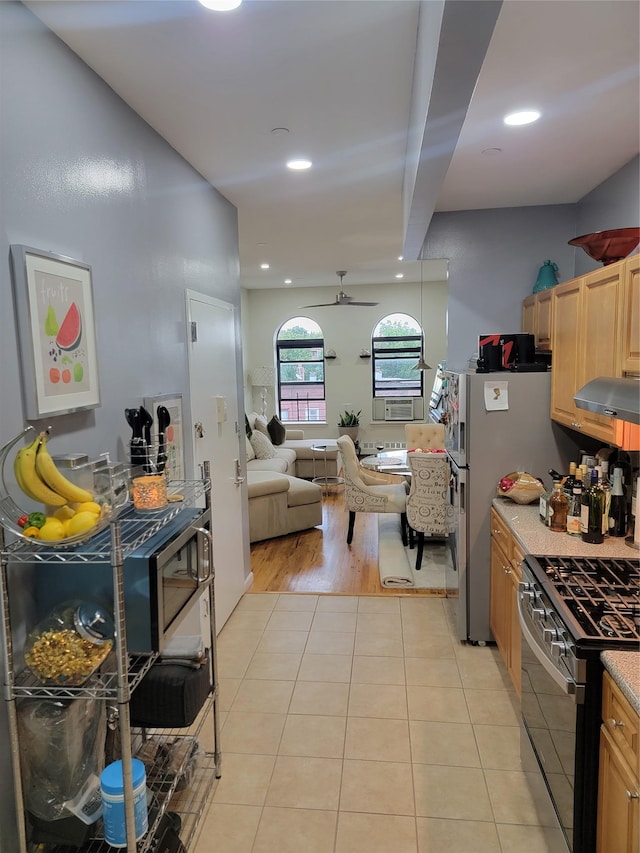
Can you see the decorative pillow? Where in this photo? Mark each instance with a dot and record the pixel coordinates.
(251, 454)
(247, 427)
(262, 446)
(260, 424)
(277, 430)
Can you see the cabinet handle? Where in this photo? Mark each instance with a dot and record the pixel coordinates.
(495, 532)
(616, 724)
(632, 795)
(507, 571)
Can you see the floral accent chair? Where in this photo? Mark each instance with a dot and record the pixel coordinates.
(429, 509)
(364, 491)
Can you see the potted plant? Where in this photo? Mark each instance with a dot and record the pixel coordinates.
(349, 423)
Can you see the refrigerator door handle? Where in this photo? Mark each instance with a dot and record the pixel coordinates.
(462, 439)
(463, 496)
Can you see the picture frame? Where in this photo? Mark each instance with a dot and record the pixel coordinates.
(174, 467)
(53, 299)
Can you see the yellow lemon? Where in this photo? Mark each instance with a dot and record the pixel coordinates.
(81, 522)
(89, 506)
(52, 529)
(64, 513)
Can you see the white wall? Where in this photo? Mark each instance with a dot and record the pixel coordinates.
(347, 330)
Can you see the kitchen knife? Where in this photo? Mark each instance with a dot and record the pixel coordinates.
(146, 421)
(136, 445)
(164, 419)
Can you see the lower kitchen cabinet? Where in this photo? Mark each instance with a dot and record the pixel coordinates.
(619, 785)
(506, 573)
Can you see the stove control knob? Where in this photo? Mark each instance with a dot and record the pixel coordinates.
(549, 635)
(558, 649)
(538, 613)
(527, 591)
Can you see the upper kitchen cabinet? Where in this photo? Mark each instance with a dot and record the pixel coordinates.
(537, 318)
(630, 316)
(586, 319)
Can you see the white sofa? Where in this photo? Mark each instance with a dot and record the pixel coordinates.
(295, 457)
(281, 497)
(280, 504)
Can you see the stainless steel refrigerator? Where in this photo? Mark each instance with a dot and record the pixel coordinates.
(495, 423)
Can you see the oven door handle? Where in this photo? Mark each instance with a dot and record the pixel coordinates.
(567, 685)
(207, 556)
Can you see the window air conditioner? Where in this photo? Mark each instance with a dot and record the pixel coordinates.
(398, 409)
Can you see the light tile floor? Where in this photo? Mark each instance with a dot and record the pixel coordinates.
(356, 724)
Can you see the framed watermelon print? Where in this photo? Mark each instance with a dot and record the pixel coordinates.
(53, 301)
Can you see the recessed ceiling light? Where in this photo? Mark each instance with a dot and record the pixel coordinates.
(399, 275)
(279, 131)
(401, 257)
(288, 281)
(299, 164)
(220, 5)
(264, 266)
(521, 117)
(491, 152)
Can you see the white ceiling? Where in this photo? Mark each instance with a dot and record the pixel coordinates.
(339, 76)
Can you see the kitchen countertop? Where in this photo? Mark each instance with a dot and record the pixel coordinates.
(524, 522)
(624, 668)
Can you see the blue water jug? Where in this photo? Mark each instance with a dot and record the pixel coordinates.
(546, 276)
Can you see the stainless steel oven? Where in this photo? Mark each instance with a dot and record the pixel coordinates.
(162, 579)
(570, 610)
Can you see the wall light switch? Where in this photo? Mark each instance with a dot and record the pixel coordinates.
(221, 410)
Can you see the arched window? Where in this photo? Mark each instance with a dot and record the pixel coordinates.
(396, 346)
(300, 357)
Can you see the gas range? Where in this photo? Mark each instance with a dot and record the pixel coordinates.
(597, 599)
(570, 610)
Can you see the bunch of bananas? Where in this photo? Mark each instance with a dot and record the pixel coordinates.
(39, 478)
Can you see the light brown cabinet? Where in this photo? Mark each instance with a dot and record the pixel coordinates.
(619, 786)
(586, 314)
(506, 573)
(537, 318)
(592, 325)
(630, 317)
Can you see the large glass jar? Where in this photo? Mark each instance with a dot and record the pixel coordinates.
(70, 643)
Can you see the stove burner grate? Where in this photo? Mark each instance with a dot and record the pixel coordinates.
(602, 595)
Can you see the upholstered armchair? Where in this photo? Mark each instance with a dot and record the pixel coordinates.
(364, 491)
(424, 436)
(428, 507)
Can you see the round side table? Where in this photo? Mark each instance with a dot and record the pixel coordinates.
(319, 452)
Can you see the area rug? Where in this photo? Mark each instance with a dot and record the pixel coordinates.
(396, 562)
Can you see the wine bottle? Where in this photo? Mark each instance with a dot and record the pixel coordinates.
(618, 506)
(575, 502)
(568, 484)
(603, 479)
(591, 513)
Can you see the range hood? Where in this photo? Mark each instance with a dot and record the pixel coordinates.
(613, 396)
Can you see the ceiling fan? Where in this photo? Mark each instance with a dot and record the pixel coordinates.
(341, 297)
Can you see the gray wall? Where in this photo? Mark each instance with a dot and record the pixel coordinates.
(82, 175)
(494, 257)
(613, 204)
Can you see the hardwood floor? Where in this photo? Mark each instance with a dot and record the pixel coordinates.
(319, 560)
